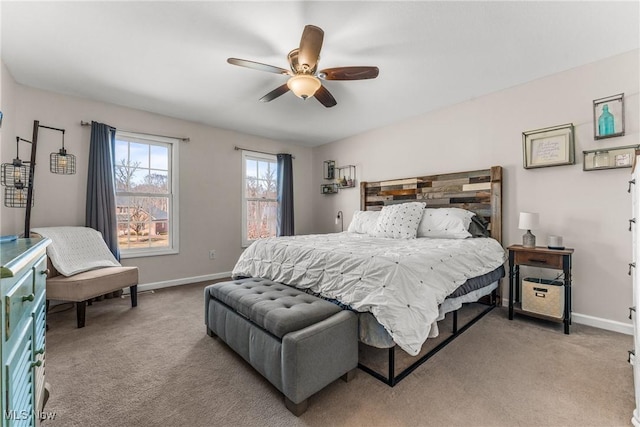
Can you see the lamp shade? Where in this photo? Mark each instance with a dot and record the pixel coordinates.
(304, 85)
(528, 220)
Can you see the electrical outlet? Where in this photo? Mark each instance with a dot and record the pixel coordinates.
(212, 254)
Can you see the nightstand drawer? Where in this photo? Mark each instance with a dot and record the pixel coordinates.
(538, 259)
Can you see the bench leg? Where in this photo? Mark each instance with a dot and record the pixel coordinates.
(134, 295)
(80, 311)
(348, 376)
(296, 409)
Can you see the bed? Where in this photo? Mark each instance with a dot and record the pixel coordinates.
(398, 285)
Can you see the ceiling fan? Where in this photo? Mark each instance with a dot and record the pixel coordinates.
(304, 80)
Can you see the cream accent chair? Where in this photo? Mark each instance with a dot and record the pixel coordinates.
(87, 268)
(82, 287)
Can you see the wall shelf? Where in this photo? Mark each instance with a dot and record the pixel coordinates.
(346, 177)
(609, 158)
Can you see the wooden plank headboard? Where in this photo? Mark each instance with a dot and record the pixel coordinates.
(479, 191)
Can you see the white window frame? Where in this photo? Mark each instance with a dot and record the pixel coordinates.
(174, 218)
(251, 155)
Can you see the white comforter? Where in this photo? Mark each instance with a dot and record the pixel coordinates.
(401, 282)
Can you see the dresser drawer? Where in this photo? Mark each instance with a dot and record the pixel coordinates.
(19, 301)
(539, 259)
(40, 277)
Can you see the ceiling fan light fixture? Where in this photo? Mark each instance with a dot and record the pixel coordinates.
(304, 85)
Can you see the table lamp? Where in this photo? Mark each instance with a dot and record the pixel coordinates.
(528, 220)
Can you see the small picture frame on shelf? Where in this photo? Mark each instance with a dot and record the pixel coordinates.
(552, 146)
(608, 116)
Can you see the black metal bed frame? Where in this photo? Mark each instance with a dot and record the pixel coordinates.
(391, 379)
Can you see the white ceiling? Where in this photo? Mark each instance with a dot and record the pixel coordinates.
(170, 57)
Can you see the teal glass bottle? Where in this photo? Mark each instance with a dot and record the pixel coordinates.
(605, 122)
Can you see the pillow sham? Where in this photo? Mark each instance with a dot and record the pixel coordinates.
(399, 221)
(364, 222)
(445, 223)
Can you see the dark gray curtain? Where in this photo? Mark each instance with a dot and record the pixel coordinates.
(101, 193)
(285, 195)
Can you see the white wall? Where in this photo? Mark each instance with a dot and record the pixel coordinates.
(210, 177)
(589, 209)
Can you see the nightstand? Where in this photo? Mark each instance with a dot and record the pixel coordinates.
(542, 257)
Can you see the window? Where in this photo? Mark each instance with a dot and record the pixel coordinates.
(259, 196)
(146, 199)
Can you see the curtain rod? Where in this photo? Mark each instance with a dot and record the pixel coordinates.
(257, 151)
(183, 139)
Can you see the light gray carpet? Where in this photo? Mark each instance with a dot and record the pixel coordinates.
(155, 366)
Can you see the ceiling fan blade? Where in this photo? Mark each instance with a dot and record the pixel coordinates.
(310, 45)
(280, 90)
(258, 66)
(325, 97)
(349, 73)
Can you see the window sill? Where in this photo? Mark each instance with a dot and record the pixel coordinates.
(148, 253)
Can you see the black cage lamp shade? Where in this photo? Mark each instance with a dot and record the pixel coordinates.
(16, 197)
(14, 173)
(62, 162)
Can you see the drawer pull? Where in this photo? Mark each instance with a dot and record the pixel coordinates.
(29, 297)
(41, 351)
(631, 265)
(541, 261)
(47, 271)
(631, 311)
(632, 354)
(633, 181)
(36, 364)
(631, 221)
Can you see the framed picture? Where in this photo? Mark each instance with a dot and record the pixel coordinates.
(552, 146)
(608, 116)
(610, 158)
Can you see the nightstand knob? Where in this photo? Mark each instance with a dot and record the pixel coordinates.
(29, 297)
(45, 272)
(36, 363)
(631, 265)
(41, 351)
(633, 181)
(632, 220)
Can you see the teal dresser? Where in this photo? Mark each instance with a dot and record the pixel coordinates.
(23, 274)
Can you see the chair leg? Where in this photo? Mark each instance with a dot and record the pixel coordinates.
(134, 295)
(80, 311)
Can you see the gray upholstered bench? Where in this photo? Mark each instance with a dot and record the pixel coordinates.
(298, 342)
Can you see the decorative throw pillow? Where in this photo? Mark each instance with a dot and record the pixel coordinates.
(445, 223)
(399, 221)
(364, 222)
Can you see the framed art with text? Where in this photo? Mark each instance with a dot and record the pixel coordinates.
(552, 146)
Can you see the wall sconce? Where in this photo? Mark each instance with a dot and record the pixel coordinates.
(62, 162)
(340, 218)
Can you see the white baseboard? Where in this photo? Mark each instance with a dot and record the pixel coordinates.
(596, 322)
(183, 281)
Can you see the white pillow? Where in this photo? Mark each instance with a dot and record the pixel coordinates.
(364, 222)
(399, 221)
(445, 223)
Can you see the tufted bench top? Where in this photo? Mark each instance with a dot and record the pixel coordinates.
(278, 308)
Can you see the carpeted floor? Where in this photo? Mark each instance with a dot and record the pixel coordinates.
(155, 366)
